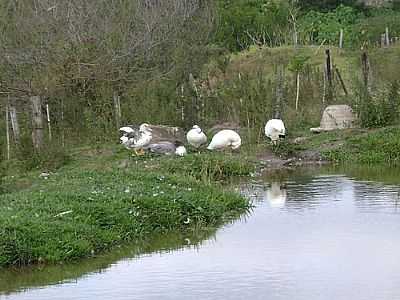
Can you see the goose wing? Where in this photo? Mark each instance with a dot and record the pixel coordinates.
(161, 148)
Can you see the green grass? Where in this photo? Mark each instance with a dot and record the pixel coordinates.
(91, 205)
(376, 147)
(356, 146)
(104, 197)
(209, 167)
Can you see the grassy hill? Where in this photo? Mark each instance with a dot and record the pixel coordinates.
(242, 87)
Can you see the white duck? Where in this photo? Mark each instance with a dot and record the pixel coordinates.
(196, 137)
(225, 139)
(275, 129)
(180, 150)
(144, 138)
(129, 135)
(136, 139)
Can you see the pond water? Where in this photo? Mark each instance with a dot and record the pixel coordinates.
(315, 234)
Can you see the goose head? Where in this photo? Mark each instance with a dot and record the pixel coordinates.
(197, 128)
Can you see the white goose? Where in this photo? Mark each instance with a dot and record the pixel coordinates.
(196, 137)
(136, 139)
(225, 139)
(129, 135)
(275, 129)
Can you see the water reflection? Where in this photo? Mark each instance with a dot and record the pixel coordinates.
(276, 195)
(317, 234)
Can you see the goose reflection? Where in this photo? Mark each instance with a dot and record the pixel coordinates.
(276, 195)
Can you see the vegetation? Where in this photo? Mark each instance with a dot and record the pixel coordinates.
(209, 167)
(377, 147)
(158, 66)
(274, 23)
(95, 65)
(90, 207)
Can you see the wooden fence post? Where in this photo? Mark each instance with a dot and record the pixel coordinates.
(117, 106)
(37, 122)
(365, 69)
(182, 103)
(341, 39)
(329, 74)
(383, 37)
(297, 89)
(48, 121)
(387, 41)
(14, 119)
(62, 124)
(7, 133)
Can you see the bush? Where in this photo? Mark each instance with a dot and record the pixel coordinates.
(244, 23)
(315, 26)
(368, 30)
(326, 5)
(380, 107)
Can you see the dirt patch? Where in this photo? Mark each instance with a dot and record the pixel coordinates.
(303, 158)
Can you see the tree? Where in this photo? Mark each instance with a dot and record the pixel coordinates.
(82, 52)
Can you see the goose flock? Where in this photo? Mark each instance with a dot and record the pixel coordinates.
(140, 139)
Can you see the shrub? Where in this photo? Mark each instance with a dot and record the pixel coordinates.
(380, 107)
(326, 5)
(315, 26)
(244, 23)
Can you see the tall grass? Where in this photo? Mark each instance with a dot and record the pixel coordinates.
(209, 167)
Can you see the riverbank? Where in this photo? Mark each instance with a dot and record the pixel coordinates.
(106, 198)
(380, 146)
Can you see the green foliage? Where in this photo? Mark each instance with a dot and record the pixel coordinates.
(316, 27)
(380, 107)
(209, 167)
(326, 5)
(360, 27)
(244, 23)
(298, 62)
(377, 147)
(368, 30)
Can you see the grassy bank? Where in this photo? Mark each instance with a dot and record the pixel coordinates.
(103, 197)
(379, 146)
(103, 200)
(357, 146)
